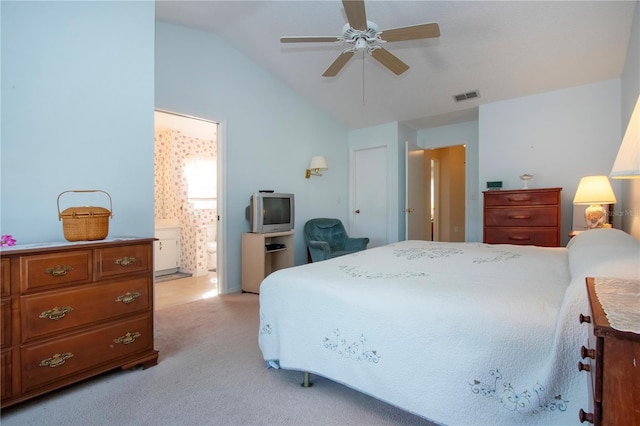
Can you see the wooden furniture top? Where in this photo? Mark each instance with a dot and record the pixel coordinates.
(58, 246)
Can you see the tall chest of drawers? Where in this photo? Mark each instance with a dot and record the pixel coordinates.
(72, 311)
(525, 217)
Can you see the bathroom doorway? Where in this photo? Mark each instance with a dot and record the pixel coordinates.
(187, 170)
(447, 182)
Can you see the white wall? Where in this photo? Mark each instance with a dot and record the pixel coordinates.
(77, 113)
(270, 133)
(559, 137)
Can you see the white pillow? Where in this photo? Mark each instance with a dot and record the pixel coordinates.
(604, 252)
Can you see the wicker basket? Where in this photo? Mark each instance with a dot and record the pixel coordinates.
(85, 223)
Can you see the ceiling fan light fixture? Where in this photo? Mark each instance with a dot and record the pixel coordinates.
(357, 37)
(362, 34)
(361, 44)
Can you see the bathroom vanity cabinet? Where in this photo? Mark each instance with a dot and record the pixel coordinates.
(166, 250)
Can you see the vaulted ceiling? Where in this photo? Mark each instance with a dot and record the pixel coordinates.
(502, 49)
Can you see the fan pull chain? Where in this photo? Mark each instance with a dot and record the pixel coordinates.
(363, 78)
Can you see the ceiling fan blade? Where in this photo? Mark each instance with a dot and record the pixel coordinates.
(413, 32)
(356, 14)
(389, 60)
(338, 64)
(311, 39)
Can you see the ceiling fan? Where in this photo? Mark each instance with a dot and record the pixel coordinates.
(361, 34)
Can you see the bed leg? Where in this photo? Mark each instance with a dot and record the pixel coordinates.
(306, 383)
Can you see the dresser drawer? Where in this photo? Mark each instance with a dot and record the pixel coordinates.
(5, 316)
(5, 278)
(65, 309)
(54, 360)
(545, 237)
(124, 260)
(5, 377)
(520, 198)
(46, 270)
(521, 217)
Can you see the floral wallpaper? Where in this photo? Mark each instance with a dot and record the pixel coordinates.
(172, 148)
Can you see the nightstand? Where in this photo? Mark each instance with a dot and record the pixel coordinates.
(612, 358)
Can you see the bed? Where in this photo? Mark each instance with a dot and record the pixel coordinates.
(457, 333)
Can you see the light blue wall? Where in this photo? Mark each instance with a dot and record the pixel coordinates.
(558, 137)
(270, 135)
(77, 113)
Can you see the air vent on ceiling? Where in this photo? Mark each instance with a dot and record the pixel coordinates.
(465, 96)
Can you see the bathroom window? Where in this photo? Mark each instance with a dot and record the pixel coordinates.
(200, 171)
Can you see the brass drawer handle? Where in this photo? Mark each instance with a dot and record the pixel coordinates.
(58, 271)
(128, 297)
(125, 261)
(519, 216)
(127, 338)
(56, 360)
(519, 198)
(519, 238)
(56, 313)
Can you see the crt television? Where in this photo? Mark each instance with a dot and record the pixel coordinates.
(271, 212)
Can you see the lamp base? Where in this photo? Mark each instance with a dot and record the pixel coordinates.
(595, 216)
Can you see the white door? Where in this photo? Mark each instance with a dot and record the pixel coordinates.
(368, 216)
(415, 193)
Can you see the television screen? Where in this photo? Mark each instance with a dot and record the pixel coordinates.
(276, 210)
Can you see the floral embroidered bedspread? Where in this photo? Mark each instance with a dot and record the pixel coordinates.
(458, 333)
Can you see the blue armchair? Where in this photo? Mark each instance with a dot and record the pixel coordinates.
(327, 238)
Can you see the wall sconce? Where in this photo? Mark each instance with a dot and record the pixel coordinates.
(594, 191)
(627, 164)
(318, 164)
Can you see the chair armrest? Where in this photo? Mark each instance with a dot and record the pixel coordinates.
(356, 244)
(319, 250)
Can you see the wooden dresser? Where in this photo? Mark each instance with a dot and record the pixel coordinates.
(526, 217)
(612, 359)
(73, 310)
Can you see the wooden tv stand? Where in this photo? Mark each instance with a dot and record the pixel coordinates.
(258, 261)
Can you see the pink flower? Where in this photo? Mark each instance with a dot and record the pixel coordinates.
(7, 240)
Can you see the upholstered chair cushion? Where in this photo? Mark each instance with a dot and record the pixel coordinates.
(326, 238)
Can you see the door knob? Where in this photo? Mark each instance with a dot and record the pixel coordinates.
(358, 211)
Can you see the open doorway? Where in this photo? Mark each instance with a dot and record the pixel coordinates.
(447, 177)
(187, 199)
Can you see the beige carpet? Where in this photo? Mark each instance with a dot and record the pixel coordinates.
(210, 373)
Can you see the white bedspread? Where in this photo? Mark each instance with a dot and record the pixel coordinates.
(459, 333)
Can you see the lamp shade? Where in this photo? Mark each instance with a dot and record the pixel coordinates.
(627, 164)
(318, 163)
(594, 190)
